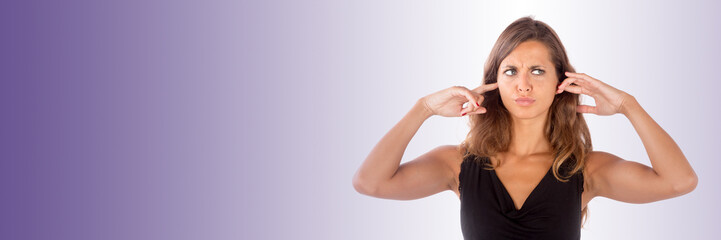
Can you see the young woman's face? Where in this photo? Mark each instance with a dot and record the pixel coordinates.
(527, 73)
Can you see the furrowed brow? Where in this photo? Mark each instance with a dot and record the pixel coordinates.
(531, 67)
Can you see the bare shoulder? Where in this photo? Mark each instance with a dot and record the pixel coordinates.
(451, 157)
(452, 154)
(595, 160)
(598, 159)
(454, 158)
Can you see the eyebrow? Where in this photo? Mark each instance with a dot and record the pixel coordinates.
(534, 66)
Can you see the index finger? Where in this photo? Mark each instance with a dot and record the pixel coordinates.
(485, 88)
(580, 75)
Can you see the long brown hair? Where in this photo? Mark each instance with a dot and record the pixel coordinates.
(566, 129)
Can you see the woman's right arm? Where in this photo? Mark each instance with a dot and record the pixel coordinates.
(380, 174)
(376, 175)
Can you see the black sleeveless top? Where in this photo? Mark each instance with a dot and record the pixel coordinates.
(551, 211)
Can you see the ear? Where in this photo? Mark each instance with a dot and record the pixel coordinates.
(557, 85)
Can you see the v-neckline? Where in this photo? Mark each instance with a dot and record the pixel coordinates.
(508, 195)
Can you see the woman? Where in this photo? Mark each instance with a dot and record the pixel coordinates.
(526, 169)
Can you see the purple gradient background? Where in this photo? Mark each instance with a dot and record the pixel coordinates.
(247, 120)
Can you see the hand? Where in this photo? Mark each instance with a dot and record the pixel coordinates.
(609, 100)
(449, 102)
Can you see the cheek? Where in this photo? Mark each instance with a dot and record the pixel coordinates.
(549, 85)
(505, 91)
(548, 98)
(504, 85)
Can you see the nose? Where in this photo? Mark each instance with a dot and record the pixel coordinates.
(524, 84)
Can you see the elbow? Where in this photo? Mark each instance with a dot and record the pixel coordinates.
(687, 186)
(361, 187)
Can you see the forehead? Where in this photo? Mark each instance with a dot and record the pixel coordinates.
(529, 53)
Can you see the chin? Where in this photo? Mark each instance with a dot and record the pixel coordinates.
(526, 113)
(525, 116)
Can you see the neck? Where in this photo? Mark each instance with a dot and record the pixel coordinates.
(528, 137)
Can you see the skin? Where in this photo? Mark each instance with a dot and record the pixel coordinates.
(528, 72)
(529, 155)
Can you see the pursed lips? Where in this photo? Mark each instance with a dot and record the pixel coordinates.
(524, 101)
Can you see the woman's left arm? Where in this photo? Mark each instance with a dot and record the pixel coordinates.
(628, 181)
(666, 157)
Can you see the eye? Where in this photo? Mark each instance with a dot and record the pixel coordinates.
(510, 72)
(537, 71)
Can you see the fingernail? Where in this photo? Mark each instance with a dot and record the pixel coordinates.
(464, 114)
(478, 104)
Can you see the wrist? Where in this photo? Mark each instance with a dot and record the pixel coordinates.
(628, 105)
(422, 108)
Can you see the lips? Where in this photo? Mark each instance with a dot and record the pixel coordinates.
(525, 101)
